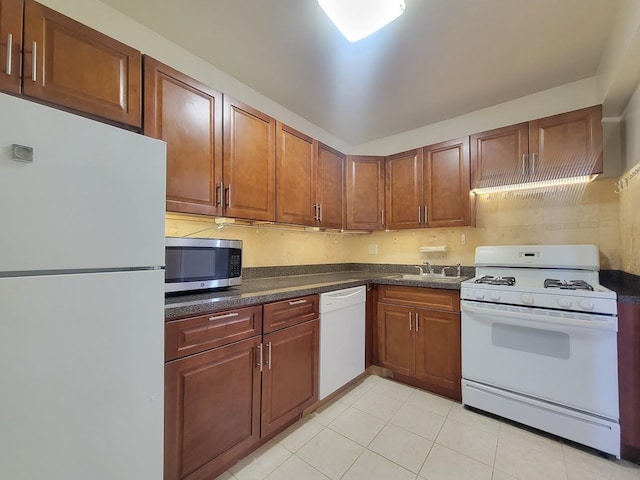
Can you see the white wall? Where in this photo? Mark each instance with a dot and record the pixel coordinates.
(561, 99)
(619, 69)
(631, 131)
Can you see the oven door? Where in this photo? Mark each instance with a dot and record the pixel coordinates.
(566, 358)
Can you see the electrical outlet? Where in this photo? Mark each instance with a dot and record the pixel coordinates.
(463, 239)
(373, 249)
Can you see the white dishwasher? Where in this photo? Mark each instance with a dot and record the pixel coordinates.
(342, 332)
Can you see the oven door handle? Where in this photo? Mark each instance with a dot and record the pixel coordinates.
(528, 319)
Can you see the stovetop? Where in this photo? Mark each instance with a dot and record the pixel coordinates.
(566, 289)
(567, 284)
(492, 280)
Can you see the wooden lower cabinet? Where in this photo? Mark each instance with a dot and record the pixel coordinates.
(396, 339)
(629, 379)
(212, 409)
(243, 389)
(438, 351)
(420, 345)
(290, 374)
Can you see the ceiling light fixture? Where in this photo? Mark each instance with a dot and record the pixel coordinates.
(357, 19)
(541, 184)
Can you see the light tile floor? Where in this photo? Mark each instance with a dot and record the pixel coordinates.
(383, 430)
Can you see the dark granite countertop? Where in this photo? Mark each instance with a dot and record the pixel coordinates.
(626, 285)
(272, 289)
(272, 284)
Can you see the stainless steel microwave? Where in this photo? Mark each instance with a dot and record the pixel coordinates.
(202, 263)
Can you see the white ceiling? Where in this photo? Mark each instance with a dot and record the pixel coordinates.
(441, 59)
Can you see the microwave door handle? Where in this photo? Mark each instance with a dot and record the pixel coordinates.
(557, 323)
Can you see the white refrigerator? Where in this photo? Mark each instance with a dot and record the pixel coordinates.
(81, 297)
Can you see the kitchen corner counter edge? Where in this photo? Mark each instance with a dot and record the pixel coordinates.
(267, 290)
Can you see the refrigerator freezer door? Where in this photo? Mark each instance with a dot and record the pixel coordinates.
(81, 376)
(92, 198)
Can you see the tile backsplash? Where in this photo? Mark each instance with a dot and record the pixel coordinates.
(572, 214)
(630, 226)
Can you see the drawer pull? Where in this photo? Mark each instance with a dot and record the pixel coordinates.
(222, 317)
(297, 302)
(409, 321)
(417, 322)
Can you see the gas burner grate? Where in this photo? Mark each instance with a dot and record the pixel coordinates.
(567, 285)
(491, 280)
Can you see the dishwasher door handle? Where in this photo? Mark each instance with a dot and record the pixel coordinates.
(353, 294)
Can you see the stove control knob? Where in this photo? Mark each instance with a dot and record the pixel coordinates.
(564, 302)
(586, 304)
(495, 296)
(526, 298)
(479, 294)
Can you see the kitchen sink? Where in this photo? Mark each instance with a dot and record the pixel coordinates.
(427, 277)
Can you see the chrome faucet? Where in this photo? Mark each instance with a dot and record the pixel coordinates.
(429, 267)
(457, 267)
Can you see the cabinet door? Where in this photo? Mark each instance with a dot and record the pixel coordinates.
(188, 116)
(365, 193)
(403, 173)
(447, 185)
(212, 409)
(438, 351)
(330, 187)
(566, 145)
(500, 157)
(79, 68)
(249, 162)
(10, 45)
(629, 380)
(296, 168)
(290, 374)
(395, 338)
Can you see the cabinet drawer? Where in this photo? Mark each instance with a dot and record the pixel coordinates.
(290, 312)
(434, 298)
(197, 334)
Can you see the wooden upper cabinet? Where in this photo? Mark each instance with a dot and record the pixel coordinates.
(404, 204)
(365, 193)
(188, 116)
(566, 145)
(330, 187)
(560, 146)
(10, 45)
(249, 162)
(296, 172)
(79, 68)
(447, 184)
(499, 157)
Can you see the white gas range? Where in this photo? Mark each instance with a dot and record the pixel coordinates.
(539, 341)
